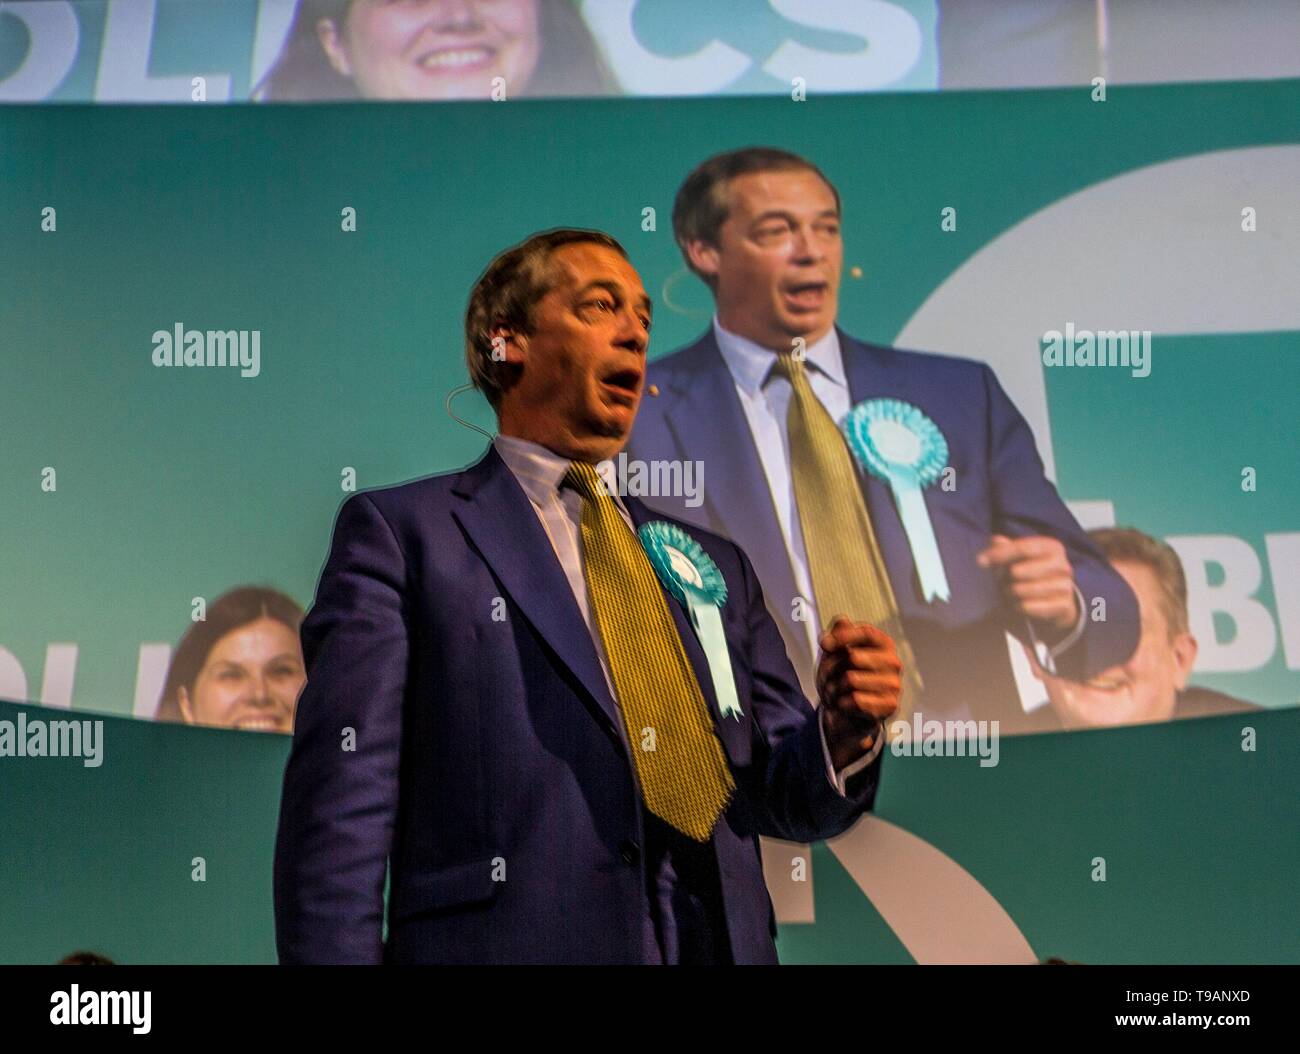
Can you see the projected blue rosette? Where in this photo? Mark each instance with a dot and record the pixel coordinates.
(896, 442)
(690, 574)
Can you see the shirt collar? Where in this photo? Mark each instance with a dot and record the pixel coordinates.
(750, 364)
(539, 470)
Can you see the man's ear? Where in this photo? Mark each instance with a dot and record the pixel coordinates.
(704, 257)
(508, 344)
(1185, 649)
(327, 31)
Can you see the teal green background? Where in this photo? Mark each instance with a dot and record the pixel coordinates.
(1211, 406)
(177, 483)
(180, 483)
(1198, 837)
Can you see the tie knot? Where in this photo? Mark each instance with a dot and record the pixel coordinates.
(788, 365)
(583, 477)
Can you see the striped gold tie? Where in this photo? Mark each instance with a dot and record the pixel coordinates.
(683, 771)
(844, 560)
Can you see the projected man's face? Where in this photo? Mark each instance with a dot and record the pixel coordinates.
(250, 681)
(1146, 687)
(778, 258)
(434, 49)
(582, 364)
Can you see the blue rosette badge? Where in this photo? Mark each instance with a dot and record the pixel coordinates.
(690, 574)
(896, 442)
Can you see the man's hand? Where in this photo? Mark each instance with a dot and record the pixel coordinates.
(1036, 577)
(859, 680)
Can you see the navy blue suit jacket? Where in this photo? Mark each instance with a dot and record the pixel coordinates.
(446, 637)
(960, 644)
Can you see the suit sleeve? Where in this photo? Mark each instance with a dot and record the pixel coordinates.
(1026, 503)
(339, 801)
(797, 800)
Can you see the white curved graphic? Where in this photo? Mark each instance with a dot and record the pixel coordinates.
(1158, 248)
(53, 38)
(936, 908)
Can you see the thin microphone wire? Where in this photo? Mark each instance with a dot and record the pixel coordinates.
(460, 420)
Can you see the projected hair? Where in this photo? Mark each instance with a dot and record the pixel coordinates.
(228, 612)
(703, 201)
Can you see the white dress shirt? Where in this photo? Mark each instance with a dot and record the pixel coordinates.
(559, 509)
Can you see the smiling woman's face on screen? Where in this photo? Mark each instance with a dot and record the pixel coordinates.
(434, 49)
(250, 680)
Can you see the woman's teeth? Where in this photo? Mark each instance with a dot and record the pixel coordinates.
(452, 59)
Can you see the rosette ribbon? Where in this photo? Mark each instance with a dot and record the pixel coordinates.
(690, 574)
(896, 442)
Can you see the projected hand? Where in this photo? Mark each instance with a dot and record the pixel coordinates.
(1036, 577)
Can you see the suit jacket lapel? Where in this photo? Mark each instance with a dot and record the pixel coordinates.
(871, 373)
(502, 525)
(867, 369)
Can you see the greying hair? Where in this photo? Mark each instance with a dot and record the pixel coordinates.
(506, 294)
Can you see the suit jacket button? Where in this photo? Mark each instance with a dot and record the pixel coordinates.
(629, 851)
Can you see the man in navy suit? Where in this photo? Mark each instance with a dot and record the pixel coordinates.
(473, 719)
(761, 227)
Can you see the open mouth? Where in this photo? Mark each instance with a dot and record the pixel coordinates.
(456, 59)
(625, 385)
(806, 295)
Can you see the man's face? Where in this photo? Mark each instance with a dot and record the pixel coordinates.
(778, 258)
(434, 49)
(583, 363)
(1145, 688)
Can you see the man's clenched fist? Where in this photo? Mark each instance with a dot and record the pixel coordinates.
(859, 681)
